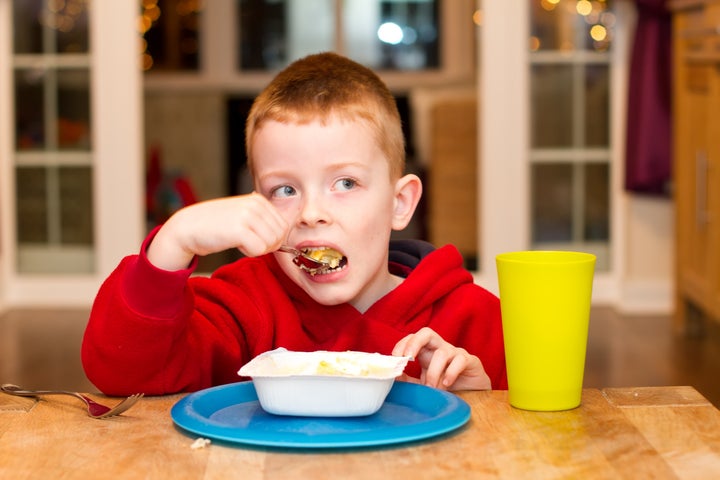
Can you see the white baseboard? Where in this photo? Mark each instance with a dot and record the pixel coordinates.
(46, 291)
(646, 297)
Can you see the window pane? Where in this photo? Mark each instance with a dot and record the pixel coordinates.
(66, 94)
(29, 109)
(596, 27)
(73, 110)
(71, 191)
(31, 185)
(400, 35)
(597, 106)
(551, 109)
(551, 207)
(273, 33)
(50, 26)
(76, 205)
(395, 34)
(29, 38)
(71, 23)
(170, 30)
(566, 25)
(597, 202)
(552, 25)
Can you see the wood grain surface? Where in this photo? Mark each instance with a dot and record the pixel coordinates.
(649, 432)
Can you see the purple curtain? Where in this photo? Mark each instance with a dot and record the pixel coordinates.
(648, 155)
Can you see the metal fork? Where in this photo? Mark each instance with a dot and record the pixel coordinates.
(95, 410)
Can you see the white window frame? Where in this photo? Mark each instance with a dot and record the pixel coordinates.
(504, 151)
(117, 159)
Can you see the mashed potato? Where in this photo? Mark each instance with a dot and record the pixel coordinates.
(282, 362)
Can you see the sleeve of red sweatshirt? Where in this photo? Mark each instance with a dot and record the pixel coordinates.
(136, 333)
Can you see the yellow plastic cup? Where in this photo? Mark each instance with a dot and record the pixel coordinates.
(545, 300)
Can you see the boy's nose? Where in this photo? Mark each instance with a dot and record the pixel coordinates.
(313, 211)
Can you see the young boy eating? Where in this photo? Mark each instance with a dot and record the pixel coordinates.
(326, 153)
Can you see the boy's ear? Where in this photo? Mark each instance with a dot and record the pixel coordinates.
(408, 190)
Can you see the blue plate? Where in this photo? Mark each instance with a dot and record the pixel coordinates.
(232, 413)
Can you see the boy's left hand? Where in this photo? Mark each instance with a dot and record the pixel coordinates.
(444, 365)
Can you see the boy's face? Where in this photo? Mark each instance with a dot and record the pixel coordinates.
(332, 185)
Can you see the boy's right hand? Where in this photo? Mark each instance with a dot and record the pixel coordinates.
(249, 223)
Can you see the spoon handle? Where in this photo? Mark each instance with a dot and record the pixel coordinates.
(288, 249)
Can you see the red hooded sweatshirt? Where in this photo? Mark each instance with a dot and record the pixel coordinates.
(161, 332)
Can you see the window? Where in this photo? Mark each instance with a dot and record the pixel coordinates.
(569, 126)
(237, 45)
(384, 35)
(53, 162)
(71, 196)
(171, 34)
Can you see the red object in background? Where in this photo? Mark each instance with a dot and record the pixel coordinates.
(153, 177)
(185, 191)
(648, 149)
(165, 193)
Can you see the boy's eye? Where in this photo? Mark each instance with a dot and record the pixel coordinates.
(345, 184)
(283, 191)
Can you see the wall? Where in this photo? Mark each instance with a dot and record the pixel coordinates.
(647, 286)
(189, 129)
(648, 229)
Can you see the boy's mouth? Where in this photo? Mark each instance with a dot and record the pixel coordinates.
(330, 260)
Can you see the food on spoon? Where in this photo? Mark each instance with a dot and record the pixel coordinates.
(326, 255)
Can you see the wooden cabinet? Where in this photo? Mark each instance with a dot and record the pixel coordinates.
(452, 184)
(696, 58)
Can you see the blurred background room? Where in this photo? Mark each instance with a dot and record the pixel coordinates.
(535, 124)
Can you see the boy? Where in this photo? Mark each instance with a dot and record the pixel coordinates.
(326, 152)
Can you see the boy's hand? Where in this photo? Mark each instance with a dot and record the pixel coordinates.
(246, 222)
(444, 366)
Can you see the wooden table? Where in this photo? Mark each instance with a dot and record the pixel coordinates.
(638, 433)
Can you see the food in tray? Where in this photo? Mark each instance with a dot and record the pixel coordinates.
(282, 362)
(323, 383)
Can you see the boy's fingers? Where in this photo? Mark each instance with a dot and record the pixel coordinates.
(453, 371)
(437, 367)
(400, 347)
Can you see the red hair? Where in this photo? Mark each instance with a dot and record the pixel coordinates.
(326, 85)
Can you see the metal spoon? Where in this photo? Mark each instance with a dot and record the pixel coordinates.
(305, 261)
